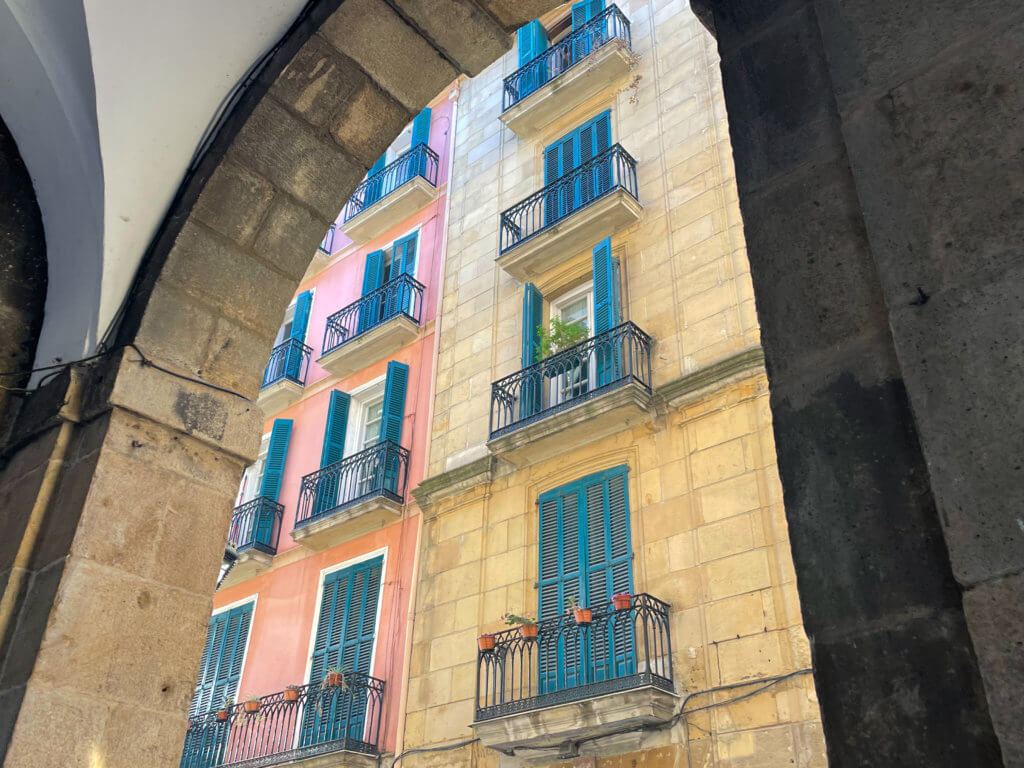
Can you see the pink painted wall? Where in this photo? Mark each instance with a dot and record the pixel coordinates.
(287, 595)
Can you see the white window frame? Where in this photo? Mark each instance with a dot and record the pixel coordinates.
(558, 386)
(361, 396)
(290, 311)
(261, 460)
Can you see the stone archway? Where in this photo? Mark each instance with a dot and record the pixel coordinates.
(133, 537)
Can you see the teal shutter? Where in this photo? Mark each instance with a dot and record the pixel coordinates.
(301, 320)
(607, 313)
(585, 552)
(334, 429)
(377, 167)
(394, 402)
(335, 426)
(421, 128)
(403, 261)
(344, 639)
(373, 189)
(531, 395)
(568, 153)
(221, 665)
(277, 452)
(370, 311)
(584, 11)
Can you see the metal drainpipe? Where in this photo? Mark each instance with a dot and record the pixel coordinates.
(411, 616)
(70, 415)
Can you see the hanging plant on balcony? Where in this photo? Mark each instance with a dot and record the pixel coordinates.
(526, 623)
(335, 678)
(485, 642)
(252, 705)
(581, 614)
(622, 601)
(558, 337)
(291, 692)
(225, 710)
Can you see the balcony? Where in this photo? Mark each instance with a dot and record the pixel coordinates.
(255, 527)
(353, 496)
(376, 326)
(393, 195)
(284, 376)
(581, 394)
(296, 727)
(322, 256)
(570, 215)
(568, 73)
(576, 681)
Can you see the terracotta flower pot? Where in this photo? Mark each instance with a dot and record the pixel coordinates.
(583, 615)
(291, 694)
(485, 642)
(333, 679)
(529, 631)
(622, 601)
(252, 707)
(222, 714)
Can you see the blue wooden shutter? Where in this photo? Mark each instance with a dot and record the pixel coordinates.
(344, 638)
(370, 311)
(421, 128)
(394, 402)
(372, 191)
(301, 320)
(531, 395)
(403, 261)
(607, 314)
(277, 452)
(334, 429)
(584, 11)
(221, 665)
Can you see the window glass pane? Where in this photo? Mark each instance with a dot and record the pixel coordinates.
(371, 426)
(575, 311)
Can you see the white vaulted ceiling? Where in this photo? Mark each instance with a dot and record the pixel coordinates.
(107, 101)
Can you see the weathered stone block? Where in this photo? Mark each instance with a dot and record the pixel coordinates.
(370, 32)
(234, 201)
(738, 574)
(368, 121)
(317, 81)
(290, 235)
(465, 33)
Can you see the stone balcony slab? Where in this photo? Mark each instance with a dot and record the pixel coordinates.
(276, 397)
(390, 211)
(341, 525)
(367, 348)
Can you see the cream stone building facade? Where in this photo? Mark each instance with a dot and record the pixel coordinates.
(691, 436)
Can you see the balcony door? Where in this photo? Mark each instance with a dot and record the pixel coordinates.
(586, 556)
(345, 634)
(572, 191)
(572, 376)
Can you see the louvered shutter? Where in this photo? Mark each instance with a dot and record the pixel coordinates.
(277, 452)
(221, 665)
(375, 185)
(333, 450)
(344, 638)
(584, 11)
(394, 402)
(421, 128)
(602, 177)
(403, 261)
(371, 310)
(530, 397)
(300, 322)
(608, 353)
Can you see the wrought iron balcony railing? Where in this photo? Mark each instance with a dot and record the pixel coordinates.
(288, 361)
(608, 25)
(256, 525)
(401, 296)
(581, 372)
(380, 470)
(618, 650)
(613, 169)
(293, 725)
(421, 160)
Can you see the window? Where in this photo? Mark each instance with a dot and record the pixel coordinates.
(365, 416)
(345, 634)
(585, 555)
(573, 376)
(577, 148)
(220, 667)
(285, 330)
(373, 412)
(290, 327)
(253, 475)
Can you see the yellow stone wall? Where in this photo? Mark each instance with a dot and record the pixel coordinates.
(708, 527)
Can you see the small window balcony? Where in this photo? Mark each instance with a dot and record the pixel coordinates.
(284, 377)
(590, 203)
(301, 727)
(374, 327)
(385, 199)
(581, 394)
(255, 528)
(356, 495)
(576, 682)
(322, 256)
(580, 65)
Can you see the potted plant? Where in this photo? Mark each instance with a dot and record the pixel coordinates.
(225, 709)
(581, 614)
(485, 642)
(252, 705)
(291, 693)
(335, 678)
(622, 601)
(526, 623)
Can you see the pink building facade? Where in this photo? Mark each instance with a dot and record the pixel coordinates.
(306, 649)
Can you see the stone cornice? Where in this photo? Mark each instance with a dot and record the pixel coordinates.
(695, 384)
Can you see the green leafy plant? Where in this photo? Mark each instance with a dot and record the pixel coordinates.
(516, 620)
(559, 336)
